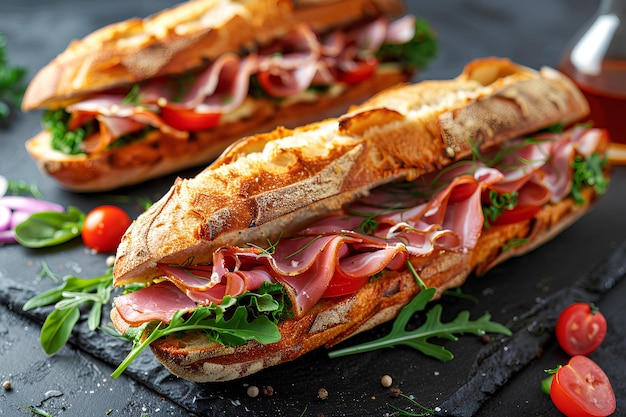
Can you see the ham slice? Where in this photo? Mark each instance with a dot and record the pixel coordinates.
(336, 247)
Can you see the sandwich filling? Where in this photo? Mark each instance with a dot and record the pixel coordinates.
(339, 254)
(300, 67)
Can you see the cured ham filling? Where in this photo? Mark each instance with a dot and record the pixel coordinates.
(340, 253)
(285, 70)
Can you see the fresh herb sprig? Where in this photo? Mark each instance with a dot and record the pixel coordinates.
(68, 298)
(588, 172)
(416, 53)
(498, 204)
(11, 82)
(433, 327)
(234, 322)
(63, 139)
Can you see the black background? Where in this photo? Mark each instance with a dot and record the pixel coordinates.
(524, 293)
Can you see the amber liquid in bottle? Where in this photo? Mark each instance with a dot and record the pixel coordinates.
(606, 93)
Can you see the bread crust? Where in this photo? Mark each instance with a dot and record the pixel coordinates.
(273, 183)
(196, 358)
(159, 154)
(180, 39)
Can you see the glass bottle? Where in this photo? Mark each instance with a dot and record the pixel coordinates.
(596, 61)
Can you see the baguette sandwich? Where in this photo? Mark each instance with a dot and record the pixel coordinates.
(299, 238)
(147, 97)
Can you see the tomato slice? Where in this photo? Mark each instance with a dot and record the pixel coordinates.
(582, 389)
(580, 329)
(462, 192)
(361, 71)
(342, 285)
(188, 119)
(516, 214)
(104, 227)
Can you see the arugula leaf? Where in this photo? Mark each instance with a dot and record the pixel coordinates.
(67, 298)
(233, 331)
(433, 327)
(50, 228)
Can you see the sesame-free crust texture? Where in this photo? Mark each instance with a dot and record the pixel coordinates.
(175, 41)
(272, 184)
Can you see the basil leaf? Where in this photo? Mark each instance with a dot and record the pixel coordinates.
(57, 328)
(50, 228)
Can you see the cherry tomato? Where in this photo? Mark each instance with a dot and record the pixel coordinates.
(103, 228)
(582, 389)
(516, 214)
(189, 120)
(361, 72)
(580, 329)
(341, 285)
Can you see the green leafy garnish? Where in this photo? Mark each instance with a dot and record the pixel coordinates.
(50, 228)
(416, 53)
(228, 329)
(433, 327)
(67, 299)
(64, 139)
(588, 172)
(11, 86)
(21, 187)
(498, 204)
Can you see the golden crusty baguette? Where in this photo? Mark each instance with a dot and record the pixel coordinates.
(196, 358)
(160, 154)
(181, 38)
(271, 184)
(176, 41)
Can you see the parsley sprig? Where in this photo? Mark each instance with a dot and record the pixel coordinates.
(588, 172)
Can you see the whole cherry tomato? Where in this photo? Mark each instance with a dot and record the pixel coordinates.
(104, 227)
(580, 329)
(582, 389)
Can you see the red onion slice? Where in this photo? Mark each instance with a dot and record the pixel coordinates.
(5, 218)
(29, 204)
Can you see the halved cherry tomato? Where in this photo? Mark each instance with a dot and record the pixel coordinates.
(103, 228)
(361, 71)
(462, 192)
(580, 329)
(582, 389)
(342, 285)
(189, 120)
(516, 214)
